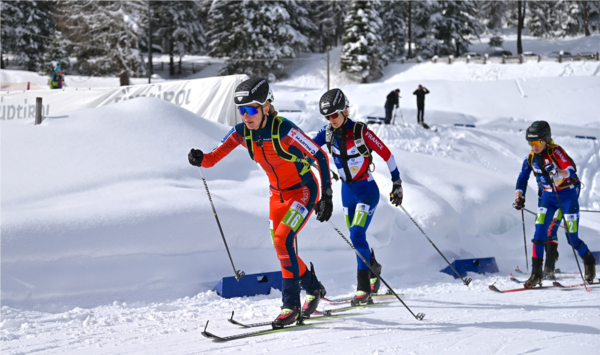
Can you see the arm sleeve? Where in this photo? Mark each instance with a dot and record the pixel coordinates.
(299, 139)
(523, 178)
(415, 92)
(231, 140)
(319, 139)
(376, 145)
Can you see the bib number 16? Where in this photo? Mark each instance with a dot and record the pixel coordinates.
(295, 216)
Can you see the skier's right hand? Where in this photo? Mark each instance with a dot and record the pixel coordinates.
(195, 157)
(324, 207)
(519, 203)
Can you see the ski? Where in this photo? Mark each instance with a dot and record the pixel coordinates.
(297, 326)
(558, 284)
(342, 300)
(513, 279)
(331, 312)
(494, 288)
(312, 318)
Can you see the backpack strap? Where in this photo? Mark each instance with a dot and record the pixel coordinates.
(359, 139)
(248, 139)
(281, 152)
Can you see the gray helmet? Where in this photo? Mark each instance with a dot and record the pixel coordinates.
(538, 131)
(332, 101)
(255, 90)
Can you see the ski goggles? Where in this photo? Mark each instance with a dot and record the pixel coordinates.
(334, 115)
(250, 110)
(535, 143)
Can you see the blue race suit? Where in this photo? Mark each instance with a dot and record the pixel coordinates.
(568, 192)
(360, 194)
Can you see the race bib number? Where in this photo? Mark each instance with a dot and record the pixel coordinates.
(541, 215)
(295, 216)
(572, 222)
(361, 213)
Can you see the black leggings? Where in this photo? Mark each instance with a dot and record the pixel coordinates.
(420, 113)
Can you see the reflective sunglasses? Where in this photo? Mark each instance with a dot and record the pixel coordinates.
(535, 143)
(336, 114)
(250, 110)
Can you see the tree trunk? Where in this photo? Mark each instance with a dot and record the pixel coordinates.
(171, 60)
(585, 19)
(409, 29)
(520, 21)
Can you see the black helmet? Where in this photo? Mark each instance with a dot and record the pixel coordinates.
(332, 101)
(255, 90)
(538, 131)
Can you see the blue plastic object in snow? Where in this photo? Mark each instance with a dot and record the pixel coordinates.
(249, 285)
(585, 137)
(596, 255)
(464, 125)
(480, 266)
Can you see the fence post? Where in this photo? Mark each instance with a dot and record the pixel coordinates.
(28, 85)
(597, 56)
(539, 58)
(468, 57)
(578, 56)
(559, 58)
(38, 110)
(485, 59)
(520, 58)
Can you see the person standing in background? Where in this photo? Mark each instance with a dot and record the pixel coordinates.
(421, 92)
(390, 101)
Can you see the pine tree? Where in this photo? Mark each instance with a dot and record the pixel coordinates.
(457, 22)
(361, 44)
(331, 16)
(547, 18)
(301, 26)
(56, 54)
(255, 36)
(492, 14)
(422, 27)
(106, 36)
(26, 31)
(393, 36)
(180, 27)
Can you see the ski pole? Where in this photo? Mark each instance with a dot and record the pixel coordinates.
(466, 281)
(525, 240)
(547, 176)
(535, 214)
(418, 316)
(332, 172)
(238, 274)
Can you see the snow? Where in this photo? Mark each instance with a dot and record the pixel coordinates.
(110, 246)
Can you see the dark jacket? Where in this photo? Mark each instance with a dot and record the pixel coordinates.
(421, 96)
(391, 100)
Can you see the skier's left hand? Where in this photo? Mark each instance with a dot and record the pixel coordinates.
(324, 207)
(551, 169)
(397, 193)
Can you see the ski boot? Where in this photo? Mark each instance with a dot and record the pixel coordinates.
(590, 266)
(374, 280)
(363, 288)
(288, 316)
(311, 302)
(537, 274)
(551, 259)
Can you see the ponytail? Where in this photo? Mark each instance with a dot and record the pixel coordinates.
(272, 111)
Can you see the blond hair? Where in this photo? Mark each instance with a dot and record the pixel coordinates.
(272, 111)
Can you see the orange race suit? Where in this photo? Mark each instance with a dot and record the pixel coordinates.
(293, 189)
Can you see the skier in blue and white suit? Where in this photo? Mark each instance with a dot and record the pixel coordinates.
(351, 143)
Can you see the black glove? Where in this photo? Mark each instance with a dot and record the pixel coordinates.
(195, 157)
(324, 207)
(519, 203)
(396, 194)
